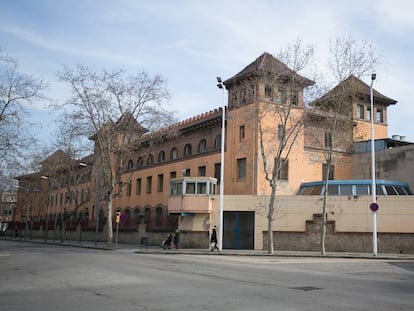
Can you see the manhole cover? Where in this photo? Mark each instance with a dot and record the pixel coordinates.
(306, 288)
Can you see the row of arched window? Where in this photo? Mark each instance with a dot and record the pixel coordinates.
(174, 154)
(147, 215)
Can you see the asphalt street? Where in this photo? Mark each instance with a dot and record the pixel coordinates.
(51, 277)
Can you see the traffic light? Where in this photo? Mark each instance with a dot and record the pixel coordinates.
(117, 217)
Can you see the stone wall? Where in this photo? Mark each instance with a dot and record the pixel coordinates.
(187, 239)
(360, 242)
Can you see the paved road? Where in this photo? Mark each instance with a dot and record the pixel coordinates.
(51, 277)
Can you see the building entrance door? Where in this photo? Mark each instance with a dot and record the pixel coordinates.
(238, 230)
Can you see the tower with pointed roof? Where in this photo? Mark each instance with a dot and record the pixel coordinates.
(254, 94)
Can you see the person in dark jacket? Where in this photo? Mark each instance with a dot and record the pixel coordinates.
(167, 242)
(213, 240)
(176, 240)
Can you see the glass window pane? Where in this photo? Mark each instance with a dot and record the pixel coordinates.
(212, 189)
(300, 191)
(400, 190)
(346, 189)
(379, 190)
(390, 190)
(316, 190)
(361, 190)
(333, 190)
(190, 188)
(179, 188)
(308, 191)
(201, 188)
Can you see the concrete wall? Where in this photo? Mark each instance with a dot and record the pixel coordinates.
(296, 225)
(310, 240)
(351, 216)
(393, 164)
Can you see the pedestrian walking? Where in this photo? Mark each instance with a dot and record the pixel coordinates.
(176, 240)
(213, 240)
(167, 243)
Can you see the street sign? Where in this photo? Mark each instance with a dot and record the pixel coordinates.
(374, 207)
(117, 217)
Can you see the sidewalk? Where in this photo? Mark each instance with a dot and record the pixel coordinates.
(136, 248)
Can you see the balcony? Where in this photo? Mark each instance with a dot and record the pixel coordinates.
(191, 195)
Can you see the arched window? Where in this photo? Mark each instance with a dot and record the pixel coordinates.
(150, 160)
(128, 215)
(147, 215)
(217, 142)
(202, 146)
(161, 156)
(130, 165)
(174, 154)
(268, 91)
(188, 150)
(137, 215)
(101, 217)
(86, 214)
(158, 216)
(139, 162)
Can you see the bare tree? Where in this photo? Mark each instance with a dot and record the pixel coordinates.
(330, 122)
(17, 91)
(281, 119)
(114, 110)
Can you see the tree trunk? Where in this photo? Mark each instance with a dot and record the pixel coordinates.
(323, 224)
(270, 248)
(325, 199)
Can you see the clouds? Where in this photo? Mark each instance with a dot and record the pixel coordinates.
(191, 42)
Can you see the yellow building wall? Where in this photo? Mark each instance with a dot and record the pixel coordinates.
(161, 198)
(362, 130)
(238, 147)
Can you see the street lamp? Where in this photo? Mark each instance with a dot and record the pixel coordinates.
(220, 85)
(373, 183)
(57, 203)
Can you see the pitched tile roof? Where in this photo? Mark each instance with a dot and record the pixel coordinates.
(359, 88)
(266, 63)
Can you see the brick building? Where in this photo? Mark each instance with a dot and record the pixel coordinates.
(173, 183)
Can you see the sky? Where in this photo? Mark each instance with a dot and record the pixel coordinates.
(190, 43)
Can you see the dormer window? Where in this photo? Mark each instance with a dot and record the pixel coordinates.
(234, 98)
(243, 96)
(268, 91)
(294, 98)
(281, 96)
(252, 91)
(379, 117)
(360, 111)
(368, 114)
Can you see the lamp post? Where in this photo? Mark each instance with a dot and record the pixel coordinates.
(373, 182)
(57, 203)
(220, 85)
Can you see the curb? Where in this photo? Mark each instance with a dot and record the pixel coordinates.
(253, 253)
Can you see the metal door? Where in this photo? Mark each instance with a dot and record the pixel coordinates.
(238, 230)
